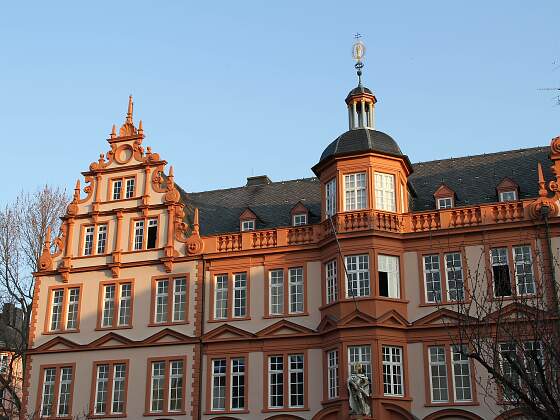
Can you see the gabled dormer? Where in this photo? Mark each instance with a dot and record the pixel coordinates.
(507, 190)
(299, 214)
(444, 197)
(247, 220)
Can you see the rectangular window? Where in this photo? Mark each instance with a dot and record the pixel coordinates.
(56, 391)
(392, 371)
(295, 380)
(125, 304)
(454, 274)
(64, 310)
(238, 383)
(507, 353)
(330, 197)
(221, 296)
(461, 373)
(500, 272)
(219, 384)
(108, 305)
(117, 189)
(438, 374)
(110, 388)
(332, 374)
(4, 363)
(432, 278)
(332, 281)
(359, 355)
(357, 281)
(444, 203)
(129, 193)
(167, 389)
(295, 278)
(247, 225)
(523, 269)
(138, 235)
(101, 238)
(508, 196)
(299, 219)
(170, 300)
(88, 240)
(355, 195)
(152, 233)
(276, 382)
(384, 192)
(117, 305)
(239, 295)
(388, 271)
(276, 292)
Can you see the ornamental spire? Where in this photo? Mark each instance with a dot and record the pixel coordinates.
(358, 52)
(130, 110)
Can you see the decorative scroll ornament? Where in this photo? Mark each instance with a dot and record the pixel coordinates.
(544, 199)
(72, 208)
(46, 258)
(191, 237)
(172, 194)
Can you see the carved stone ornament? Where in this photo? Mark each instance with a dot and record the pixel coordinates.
(191, 237)
(544, 200)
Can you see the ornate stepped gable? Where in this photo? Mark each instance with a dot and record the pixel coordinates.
(126, 157)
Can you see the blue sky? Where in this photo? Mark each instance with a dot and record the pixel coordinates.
(230, 89)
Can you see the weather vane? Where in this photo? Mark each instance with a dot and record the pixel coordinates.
(358, 52)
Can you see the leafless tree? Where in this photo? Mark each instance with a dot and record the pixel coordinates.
(509, 322)
(23, 229)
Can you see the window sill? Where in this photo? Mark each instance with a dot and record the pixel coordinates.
(127, 327)
(285, 316)
(106, 416)
(452, 404)
(165, 413)
(446, 303)
(83, 257)
(121, 200)
(392, 397)
(284, 409)
(218, 412)
(133, 251)
(167, 324)
(516, 297)
(380, 298)
(214, 320)
(61, 332)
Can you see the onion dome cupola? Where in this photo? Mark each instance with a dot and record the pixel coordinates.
(374, 155)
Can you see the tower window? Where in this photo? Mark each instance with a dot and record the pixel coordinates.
(384, 192)
(330, 197)
(388, 273)
(355, 191)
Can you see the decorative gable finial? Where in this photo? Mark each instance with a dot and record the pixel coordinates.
(128, 128)
(114, 131)
(130, 110)
(140, 127)
(543, 192)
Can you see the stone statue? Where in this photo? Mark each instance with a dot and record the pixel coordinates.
(358, 387)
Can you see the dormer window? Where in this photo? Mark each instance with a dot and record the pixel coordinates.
(445, 203)
(355, 195)
(445, 197)
(508, 196)
(299, 219)
(247, 225)
(508, 190)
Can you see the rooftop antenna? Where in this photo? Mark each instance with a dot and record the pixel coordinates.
(358, 52)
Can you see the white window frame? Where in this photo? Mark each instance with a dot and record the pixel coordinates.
(139, 235)
(221, 295)
(176, 385)
(385, 192)
(89, 234)
(391, 265)
(279, 372)
(296, 290)
(218, 375)
(179, 299)
(461, 362)
(65, 383)
(276, 284)
(330, 198)
(333, 386)
(161, 385)
(441, 365)
(510, 195)
(523, 267)
(355, 191)
(497, 259)
(101, 239)
(116, 192)
(248, 225)
(393, 369)
(432, 278)
(299, 371)
(360, 354)
(331, 287)
(130, 184)
(72, 308)
(357, 267)
(101, 386)
(239, 296)
(445, 203)
(47, 398)
(454, 268)
(121, 380)
(235, 381)
(57, 307)
(161, 295)
(299, 219)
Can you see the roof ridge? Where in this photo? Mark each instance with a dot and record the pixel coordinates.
(311, 178)
(481, 154)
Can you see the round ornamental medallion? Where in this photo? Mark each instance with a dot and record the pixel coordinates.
(123, 154)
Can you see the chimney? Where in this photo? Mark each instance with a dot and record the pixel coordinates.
(258, 180)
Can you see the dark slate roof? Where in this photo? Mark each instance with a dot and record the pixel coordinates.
(219, 210)
(473, 178)
(359, 90)
(361, 140)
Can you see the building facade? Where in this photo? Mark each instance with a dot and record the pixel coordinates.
(243, 303)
